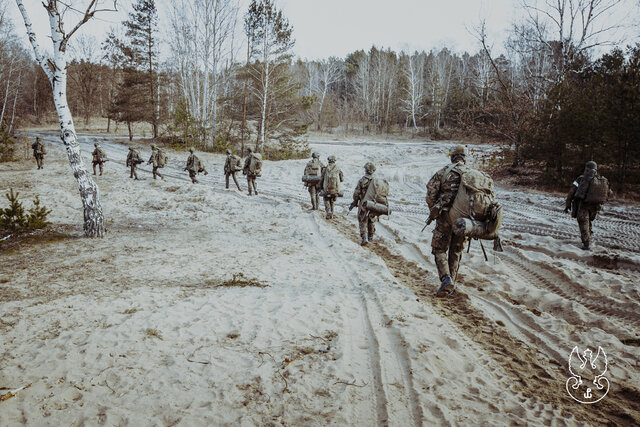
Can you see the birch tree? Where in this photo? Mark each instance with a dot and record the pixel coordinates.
(414, 91)
(273, 42)
(202, 31)
(54, 66)
(322, 75)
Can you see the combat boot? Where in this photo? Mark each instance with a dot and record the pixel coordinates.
(364, 241)
(585, 247)
(447, 285)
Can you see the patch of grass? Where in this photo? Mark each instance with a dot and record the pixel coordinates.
(172, 189)
(40, 237)
(152, 332)
(239, 280)
(130, 310)
(631, 341)
(233, 335)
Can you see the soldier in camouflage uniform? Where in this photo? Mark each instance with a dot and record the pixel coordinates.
(441, 192)
(99, 157)
(38, 152)
(330, 199)
(133, 160)
(584, 212)
(155, 160)
(229, 170)
(194, 166)
(314, 189)
(251, 177)
(366, 222)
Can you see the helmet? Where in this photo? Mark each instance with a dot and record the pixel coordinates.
(191, 150)
(228, 151)
(249, 149)
(153, 146)
(369, 167)
(315, 155)
(331, 159)
(591, 165)
(130, 148)
(458, 153)
(95, 144)
(38, 138)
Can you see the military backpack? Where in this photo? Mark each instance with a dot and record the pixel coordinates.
(255, 164)
(331, 184)
(475, 196)
(162, 158)
(598, 192)
(375, 198)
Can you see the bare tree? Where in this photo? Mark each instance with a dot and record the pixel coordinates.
(55, 67)
(412, 101)
(323, 74)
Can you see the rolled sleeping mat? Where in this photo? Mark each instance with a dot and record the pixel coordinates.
(311, 179)
(376, 208)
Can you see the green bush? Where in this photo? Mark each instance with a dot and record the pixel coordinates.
(14, 219)
(7, 145)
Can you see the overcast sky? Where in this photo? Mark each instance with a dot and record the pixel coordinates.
(324, 28)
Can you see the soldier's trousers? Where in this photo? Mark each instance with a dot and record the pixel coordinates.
(94, 167)
(251, 183)
(134, 174)
(366, 223)
(193, 175)
(444, 240)
(226, 178)
(586, 215)
(39, 160)
(315, 197)
(156, 173)
(329, 202)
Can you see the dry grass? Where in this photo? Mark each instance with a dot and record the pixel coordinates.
(152, 332)
(240, 281)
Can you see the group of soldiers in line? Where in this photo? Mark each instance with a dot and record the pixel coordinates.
(585, 198)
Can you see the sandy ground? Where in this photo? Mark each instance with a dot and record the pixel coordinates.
(138, 328)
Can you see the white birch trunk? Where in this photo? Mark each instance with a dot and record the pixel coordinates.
(55, 69)
(266, 55)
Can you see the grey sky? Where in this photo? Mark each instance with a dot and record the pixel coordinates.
(324, 28)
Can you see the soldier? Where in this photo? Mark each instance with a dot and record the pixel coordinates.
(366, 222)
(251, 176)
(230, 169)
(155, 160)
(194, 166)
(585, 199)
(99, 157)
(133, 160)
(441, 192)
(316, 167)
(331, 178)
(39, 151)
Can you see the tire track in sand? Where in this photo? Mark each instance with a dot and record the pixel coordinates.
(523, 363)
(397, 400)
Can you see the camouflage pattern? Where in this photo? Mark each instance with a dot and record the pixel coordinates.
(585, 213)
(366, 222)
(194, 166)
(251, 177)
(330, 199)
(229, 171)
(98, 158)
(38, 152)
(441, 192)
(155, 161)
(315, 189)
(133, 160)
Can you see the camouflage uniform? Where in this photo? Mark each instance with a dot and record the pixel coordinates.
(38, 152)
(251, 177)
(155, 161)
(314, 189)
(229, 171)
(441, 192)
(366, 221)
(330, 199)
(99, 157)
(133, 160)
(194, 166)
(584, 212)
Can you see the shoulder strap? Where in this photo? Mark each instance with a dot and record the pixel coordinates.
(446, 173)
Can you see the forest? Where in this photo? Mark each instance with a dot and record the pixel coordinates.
(216, 76)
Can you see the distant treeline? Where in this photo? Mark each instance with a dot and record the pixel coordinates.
(548, 101)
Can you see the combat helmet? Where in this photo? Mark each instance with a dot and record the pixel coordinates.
(369, 168)
(331, 159)
(458, 153)
(315, 155)
(591, 165)
(95, 144)
(228, 151)
(249, 149)
(191, 150)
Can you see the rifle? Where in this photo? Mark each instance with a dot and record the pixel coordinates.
(433, 214)
(351, 206)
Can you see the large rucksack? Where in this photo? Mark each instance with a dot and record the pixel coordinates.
(598, 191)
(313, 168)
(236, 163)
(375, 198)
(162, 158)
(331, 183)
(255, 164)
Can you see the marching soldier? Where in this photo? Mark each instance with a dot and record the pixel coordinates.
(39, 151)
(314, 168)
(194, 166)
(252, 167)
(331, 179)
(133, 160)
(155, 160)
(585, 199)
(230, 169)
(366, 222)
(99, 157)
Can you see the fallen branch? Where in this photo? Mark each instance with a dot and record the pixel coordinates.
(13, 392)
(286, 384)
(353, 383)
